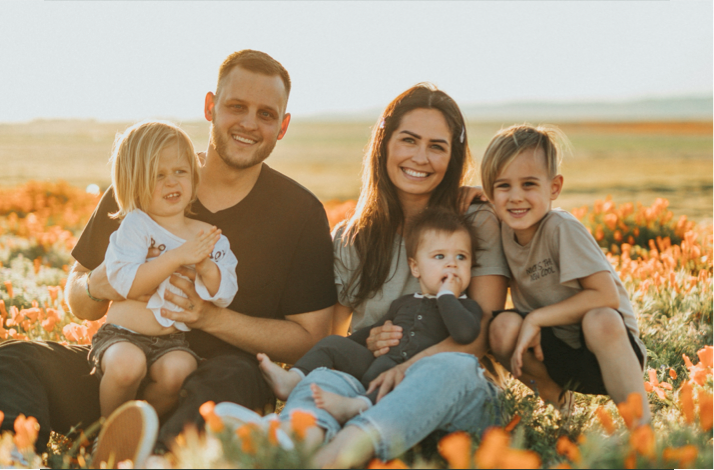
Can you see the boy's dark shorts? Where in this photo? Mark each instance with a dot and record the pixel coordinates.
(153, 347)
(575, 369)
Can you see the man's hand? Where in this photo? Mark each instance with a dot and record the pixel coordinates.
(195, 309)
(384, 337)
(467, 194)
(386, 381)
(528, 337)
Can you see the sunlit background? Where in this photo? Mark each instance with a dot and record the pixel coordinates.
(629, 82)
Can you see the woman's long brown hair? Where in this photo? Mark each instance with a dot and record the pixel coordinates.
(379, 215)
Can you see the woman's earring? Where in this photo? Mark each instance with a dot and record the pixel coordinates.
(463, 134)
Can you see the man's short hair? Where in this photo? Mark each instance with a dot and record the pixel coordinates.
(253, 61)
(438, 219)
(508, 143)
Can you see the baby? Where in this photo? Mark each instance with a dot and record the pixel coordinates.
(440, 246)
(154, 177)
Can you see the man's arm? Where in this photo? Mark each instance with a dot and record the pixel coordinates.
(81, 305)
(283, 340)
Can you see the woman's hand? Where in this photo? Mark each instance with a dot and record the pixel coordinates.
(381, 338)
(386, 381)
(195, 309)
(529, 337)
(467, 194)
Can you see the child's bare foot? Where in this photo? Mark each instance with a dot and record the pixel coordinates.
(280, 380)
(341, 408)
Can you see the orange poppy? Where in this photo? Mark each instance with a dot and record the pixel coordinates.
(245, 434)
(706, 356)
(494, 443)
(54, 291)
(26, 430)
(631, 410)
(3, 312)
(392, 464)
(456, 449)
(2, 416)
(673, 374)
(517, 458)
(684, 456)
(686, 402)
(605, 420)
(301, 421)
(705, 410)
(642, 440)
(8, 288)
(566, 447)
(654, 385)
(631, 461)
(514, 422)
(213, 421)
(273, 431)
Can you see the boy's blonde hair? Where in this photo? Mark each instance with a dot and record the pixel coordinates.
(508, 143)
(135, 162)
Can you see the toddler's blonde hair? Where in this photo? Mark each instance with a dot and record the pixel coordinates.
(508, 143)
(135, 162)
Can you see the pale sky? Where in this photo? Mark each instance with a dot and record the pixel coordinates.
(135, 60)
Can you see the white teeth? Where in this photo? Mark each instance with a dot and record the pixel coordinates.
(172, 195)
(243, 139)
(416, 174)
(518, 211)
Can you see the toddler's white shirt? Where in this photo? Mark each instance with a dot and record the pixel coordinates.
(127, 251)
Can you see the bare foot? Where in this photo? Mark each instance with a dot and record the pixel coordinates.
(280, 380)
(341, 408)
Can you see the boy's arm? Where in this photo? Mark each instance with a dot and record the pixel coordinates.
(599, 290)
(464, 325)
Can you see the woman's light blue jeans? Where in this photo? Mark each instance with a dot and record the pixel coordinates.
(446, 391)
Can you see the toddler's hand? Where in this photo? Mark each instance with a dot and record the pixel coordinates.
(199, 248)
(451, 282)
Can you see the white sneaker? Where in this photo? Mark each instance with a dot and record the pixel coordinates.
(235, 415)
(128, 434)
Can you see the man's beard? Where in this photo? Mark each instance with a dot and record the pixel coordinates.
(221, 145)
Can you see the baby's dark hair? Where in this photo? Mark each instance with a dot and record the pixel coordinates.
(439, 219)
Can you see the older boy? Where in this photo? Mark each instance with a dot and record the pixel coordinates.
(574, 327)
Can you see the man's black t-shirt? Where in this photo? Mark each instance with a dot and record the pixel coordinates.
(280, 235)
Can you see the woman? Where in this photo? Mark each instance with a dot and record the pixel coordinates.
(418, 157)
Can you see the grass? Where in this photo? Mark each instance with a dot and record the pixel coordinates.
(666, 267)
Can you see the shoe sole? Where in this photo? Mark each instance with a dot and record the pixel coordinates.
(128, 434)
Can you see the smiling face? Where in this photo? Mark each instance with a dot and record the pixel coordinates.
(441, 253)
(523, 192)
(173, 188)
(418, 154)
(247, 117)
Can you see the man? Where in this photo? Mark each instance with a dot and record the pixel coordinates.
(278, 231)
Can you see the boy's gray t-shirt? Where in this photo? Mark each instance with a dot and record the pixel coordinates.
(546, 270)
(489, 259)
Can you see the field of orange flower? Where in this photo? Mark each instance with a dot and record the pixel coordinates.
(666, 265)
